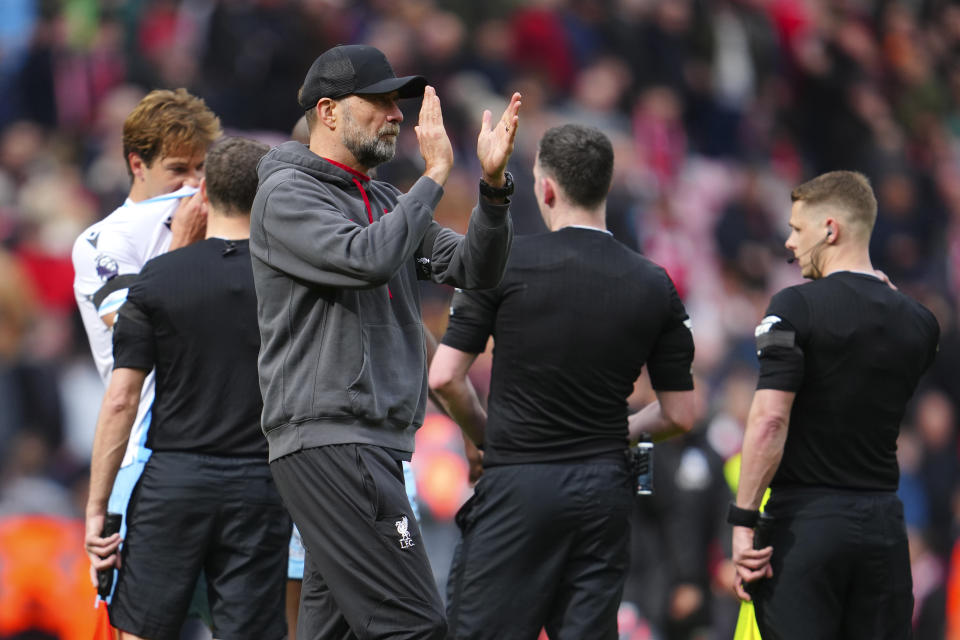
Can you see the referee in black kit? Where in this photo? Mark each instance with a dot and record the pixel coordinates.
(206, 498)
(575, 319)
(839, 359)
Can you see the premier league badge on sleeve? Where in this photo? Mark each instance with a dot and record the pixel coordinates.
(766, 324)
(106, 267)
(769, 333)
(403, 526)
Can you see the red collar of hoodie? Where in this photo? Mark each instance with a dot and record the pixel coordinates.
(359, 179)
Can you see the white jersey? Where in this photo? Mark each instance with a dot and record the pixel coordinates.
(107, 258)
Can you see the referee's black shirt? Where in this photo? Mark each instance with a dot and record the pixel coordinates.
(574, 320)
(192, 314)
(853, 350)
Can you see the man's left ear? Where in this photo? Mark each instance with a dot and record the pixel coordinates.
(203, 190)
(549, 191)
(831, 231)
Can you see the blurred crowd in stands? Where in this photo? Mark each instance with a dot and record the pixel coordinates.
(717, 108)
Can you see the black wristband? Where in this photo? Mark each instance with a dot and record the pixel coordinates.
(495, 193)
(742, 517)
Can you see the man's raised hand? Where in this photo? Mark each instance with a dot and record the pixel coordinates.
(495, 142)
(435, 146)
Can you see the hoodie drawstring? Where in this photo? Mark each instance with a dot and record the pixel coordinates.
(366, 203)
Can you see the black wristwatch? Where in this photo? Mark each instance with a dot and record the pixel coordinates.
(498, 192)
(742, 517)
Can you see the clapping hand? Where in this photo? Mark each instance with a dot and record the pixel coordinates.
(435, 146)
(495, 142)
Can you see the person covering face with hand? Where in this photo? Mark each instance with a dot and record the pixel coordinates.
(165, 142)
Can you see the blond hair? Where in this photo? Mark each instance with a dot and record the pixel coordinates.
(847, 191)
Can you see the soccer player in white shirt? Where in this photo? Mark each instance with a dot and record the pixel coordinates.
(165, 141)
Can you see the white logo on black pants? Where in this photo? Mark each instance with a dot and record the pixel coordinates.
(402, 528)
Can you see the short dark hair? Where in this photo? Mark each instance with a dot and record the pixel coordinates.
(231, 174)
(849, 191)
(580, 159)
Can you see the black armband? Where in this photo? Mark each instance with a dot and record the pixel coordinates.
(742, 517)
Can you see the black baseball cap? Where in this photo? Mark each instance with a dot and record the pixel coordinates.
(354, 68)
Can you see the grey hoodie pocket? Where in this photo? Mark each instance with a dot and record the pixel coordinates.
(337, 361)
(390, 381)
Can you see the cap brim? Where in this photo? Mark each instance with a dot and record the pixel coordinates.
(407, 86)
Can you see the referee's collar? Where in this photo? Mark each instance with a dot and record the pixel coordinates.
(588, 228)
(861, 273)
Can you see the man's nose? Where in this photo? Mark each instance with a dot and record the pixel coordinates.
(395, 114)
(193, 179)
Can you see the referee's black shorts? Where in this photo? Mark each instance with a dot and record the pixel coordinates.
(191, 512)
(841, 567)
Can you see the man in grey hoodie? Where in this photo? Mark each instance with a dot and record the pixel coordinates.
(336, 259)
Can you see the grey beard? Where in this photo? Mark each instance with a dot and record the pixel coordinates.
(369, 152)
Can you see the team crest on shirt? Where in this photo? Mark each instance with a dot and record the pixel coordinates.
(403, 526)
(106, 267)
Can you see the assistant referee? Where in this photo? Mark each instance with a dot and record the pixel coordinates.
(839, 359)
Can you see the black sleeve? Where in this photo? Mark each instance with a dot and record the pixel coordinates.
(134, 344)
(780, 336)
(672, 355)
(472, 316)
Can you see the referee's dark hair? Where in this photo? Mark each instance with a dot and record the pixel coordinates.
(580, 159)
(230, 171)
(850, 192)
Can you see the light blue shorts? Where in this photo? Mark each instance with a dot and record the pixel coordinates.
(123, 486)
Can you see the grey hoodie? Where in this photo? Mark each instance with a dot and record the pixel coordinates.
(336, 257)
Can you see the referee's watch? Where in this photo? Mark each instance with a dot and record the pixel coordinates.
(495, 193)
(742, 517)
